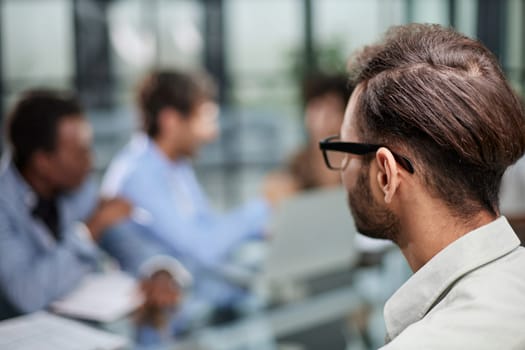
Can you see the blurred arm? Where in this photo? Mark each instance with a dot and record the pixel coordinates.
(206, 236)
(31, 279)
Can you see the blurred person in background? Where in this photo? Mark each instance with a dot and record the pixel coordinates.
(48, 224)
(428, 133)
(155, 173)
(325, 99)
(50, 221)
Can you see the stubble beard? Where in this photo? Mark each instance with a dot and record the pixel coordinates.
(371, 218)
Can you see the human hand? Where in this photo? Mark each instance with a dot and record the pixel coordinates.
(107, 213)
(279, 186)
(161, 295)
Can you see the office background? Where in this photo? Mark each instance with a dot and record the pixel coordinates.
(257, 50)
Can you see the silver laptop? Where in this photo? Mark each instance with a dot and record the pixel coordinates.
(311, 234)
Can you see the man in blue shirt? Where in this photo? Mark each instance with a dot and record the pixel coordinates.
(154, 172)
(50, 222)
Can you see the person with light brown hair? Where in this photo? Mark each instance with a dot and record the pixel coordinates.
(428, 133)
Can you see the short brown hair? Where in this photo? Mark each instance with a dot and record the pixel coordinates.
(441, 98)
(178, 90)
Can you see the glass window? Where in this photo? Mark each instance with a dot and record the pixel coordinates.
(466, 17)
(514, 44)
(348, 25)
(264, 44)
(37, 39)
(261, 56)
(180, 29)
(430, 11)
(158, 33)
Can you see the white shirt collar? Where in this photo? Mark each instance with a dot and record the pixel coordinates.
(427, 286)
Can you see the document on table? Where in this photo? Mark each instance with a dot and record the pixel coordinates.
(44, 331)
(104, 297)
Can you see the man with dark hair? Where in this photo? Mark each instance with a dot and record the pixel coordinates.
(48, 221)
(154, 172)
(427, 136)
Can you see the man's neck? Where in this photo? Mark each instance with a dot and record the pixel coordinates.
(433, 229)
(167, 149)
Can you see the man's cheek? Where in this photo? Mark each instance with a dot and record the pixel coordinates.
(350, 174)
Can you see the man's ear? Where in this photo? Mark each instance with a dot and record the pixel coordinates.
(388, 177)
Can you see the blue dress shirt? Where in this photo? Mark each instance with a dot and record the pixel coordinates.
(171, 207)
(36, 269)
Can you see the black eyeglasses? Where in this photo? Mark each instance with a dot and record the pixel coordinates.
(335, 157)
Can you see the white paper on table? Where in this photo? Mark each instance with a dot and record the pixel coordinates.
(102, 297)
(44, 331)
